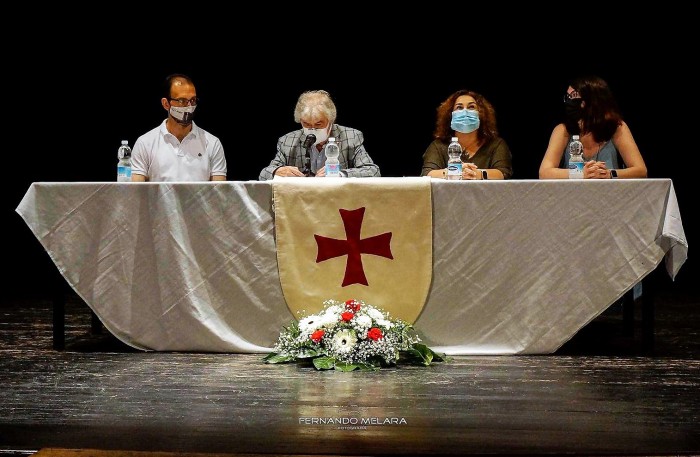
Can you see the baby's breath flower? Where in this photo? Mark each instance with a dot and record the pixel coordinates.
(385, 323)
(362, 323)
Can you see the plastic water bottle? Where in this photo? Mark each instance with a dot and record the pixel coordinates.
(575, 158)
(124, 165)
(332, 164)
(454, 162)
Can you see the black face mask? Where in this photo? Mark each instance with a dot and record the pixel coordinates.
(573, 113)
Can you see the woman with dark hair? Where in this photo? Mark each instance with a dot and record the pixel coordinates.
(592, 112)
(471, 118)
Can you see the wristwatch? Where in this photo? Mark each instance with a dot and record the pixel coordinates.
(484, 174)
(613, 174)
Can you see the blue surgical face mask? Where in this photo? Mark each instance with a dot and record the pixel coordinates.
(465, 120)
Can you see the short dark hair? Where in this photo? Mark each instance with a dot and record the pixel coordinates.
(168, 83)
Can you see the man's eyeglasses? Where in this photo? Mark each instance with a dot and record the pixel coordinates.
(184, 101)
(573, 95)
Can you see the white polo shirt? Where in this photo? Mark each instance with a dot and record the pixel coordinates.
(159, 155)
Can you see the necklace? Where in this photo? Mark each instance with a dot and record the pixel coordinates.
(595, 157)
(474, 145)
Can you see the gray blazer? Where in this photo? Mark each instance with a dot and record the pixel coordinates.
(354, 160)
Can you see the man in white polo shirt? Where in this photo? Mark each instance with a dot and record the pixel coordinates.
(178, 150)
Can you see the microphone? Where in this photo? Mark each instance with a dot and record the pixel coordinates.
(310, 139)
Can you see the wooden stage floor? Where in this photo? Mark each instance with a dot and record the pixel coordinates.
(598, 395)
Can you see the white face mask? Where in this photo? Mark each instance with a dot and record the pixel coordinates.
(321, 134)
(182, 114)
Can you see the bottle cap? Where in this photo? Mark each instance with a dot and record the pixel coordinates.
(454, 138)
(125, 141)
(575, 137)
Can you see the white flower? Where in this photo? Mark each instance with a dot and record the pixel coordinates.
(344, 341)
(362, 322)
(329, 320)
(374, 313)
(309, 324)
(385, 323)
(332, 314)
(334, 309)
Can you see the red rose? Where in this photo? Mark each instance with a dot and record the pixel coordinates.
(317, 335)
(352, 305)
(347, 316)
(374, 334)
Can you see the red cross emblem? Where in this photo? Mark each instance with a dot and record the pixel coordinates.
(353, 246)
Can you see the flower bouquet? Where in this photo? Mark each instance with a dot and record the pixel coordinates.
(351, 335)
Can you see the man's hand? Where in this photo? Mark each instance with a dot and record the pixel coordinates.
(288, 171)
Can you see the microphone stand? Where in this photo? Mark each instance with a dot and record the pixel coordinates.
(307, 158)
(307, 164)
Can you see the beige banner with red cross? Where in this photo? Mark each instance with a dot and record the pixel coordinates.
(368, 239)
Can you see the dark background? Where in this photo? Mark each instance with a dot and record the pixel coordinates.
(78, 88)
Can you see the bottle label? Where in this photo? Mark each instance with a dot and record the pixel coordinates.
(576, 170)
(454, 170)
(123, 173)
(332, 170)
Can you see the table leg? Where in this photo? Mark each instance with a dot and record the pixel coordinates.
(59, 313)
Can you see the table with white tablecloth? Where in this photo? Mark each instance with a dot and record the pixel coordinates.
(518, 267)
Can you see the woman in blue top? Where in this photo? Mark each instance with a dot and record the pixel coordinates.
(592, 113)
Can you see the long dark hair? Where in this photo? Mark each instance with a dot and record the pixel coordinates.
(599, 113)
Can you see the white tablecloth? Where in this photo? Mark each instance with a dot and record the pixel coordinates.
(518, 266)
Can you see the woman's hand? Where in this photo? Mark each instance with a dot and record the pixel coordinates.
(469, 171)
(595, 170)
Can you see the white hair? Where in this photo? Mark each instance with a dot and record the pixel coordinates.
(313, 103)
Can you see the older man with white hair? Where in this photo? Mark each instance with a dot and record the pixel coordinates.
(301, 152)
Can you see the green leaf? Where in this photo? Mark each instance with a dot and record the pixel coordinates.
(425, 352)
(293, 329)
(419, 357)
(324, 363)
(308, 353)
(278, 358)
(441, 357)
(342, 366)
(422, 354)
